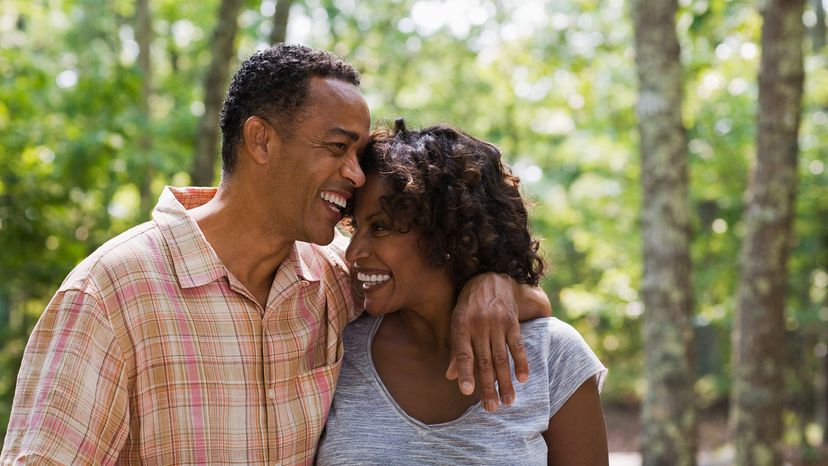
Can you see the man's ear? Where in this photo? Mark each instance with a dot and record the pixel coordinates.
(260, 140)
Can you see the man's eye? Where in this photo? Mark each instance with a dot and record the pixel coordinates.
(340, 145)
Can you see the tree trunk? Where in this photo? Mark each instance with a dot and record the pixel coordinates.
(207, 138)
(144, 34)
(280, 21)
(821, 385)
(333, 12)
(5, 308)
(819, 35)
(669, 417)
(759, 326)
(800, 359)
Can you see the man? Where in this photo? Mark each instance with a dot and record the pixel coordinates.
(212, 333)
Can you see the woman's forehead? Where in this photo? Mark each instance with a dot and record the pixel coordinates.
(369, 194)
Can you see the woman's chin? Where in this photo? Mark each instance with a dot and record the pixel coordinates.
(375, 311)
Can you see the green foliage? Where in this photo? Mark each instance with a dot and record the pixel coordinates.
(551, 83)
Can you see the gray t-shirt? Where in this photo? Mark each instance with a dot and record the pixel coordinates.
(366, 425)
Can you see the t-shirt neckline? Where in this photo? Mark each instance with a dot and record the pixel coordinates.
(470, 411)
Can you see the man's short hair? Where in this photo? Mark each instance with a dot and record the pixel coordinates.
(273, 84)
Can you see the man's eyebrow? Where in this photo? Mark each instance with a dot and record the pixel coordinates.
(342, 131)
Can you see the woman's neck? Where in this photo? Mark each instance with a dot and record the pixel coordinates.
(428, 326)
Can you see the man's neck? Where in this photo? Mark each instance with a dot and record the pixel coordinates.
(239, 236)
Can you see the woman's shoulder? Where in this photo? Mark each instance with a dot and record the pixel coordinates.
(546, 331)
(549, 339)
(547, 324)
(557, 349)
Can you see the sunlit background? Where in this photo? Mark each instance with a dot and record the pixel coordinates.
(85, 150)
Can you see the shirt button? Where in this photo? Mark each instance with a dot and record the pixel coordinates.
(304, 283)
(271, 393)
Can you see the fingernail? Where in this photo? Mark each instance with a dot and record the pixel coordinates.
(507, 400)
(522, 377)
(467, 387)
(490, 406)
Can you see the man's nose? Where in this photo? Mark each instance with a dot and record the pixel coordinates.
(352, 172)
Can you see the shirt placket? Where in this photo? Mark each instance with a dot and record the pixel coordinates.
(280, 353)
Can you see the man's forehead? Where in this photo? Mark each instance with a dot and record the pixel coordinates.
(323, 89)
(341, 105)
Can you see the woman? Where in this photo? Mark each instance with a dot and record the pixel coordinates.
(437, 208)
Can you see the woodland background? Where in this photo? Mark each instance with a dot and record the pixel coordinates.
(103, 102)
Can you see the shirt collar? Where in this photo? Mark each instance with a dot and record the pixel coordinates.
(195, 261)
(306, 261)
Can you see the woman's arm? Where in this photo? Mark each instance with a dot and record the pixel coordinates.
(576, 433)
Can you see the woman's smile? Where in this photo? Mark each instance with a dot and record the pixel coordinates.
(370, 281)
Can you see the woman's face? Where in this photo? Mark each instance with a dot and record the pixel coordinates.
(389, 266)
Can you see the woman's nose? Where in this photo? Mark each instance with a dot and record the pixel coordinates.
(356, 248)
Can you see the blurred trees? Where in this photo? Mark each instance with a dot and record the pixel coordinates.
(144, 36)
(280, 21)
(223, 47)
(818, 29)
(552, 83)
(669, 411)
(759, 329)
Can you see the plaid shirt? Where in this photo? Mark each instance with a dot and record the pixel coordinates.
(152, 353)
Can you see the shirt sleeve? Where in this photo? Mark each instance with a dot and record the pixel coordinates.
(571, 363)
(70, 403)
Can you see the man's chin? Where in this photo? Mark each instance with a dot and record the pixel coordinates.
(322, 239)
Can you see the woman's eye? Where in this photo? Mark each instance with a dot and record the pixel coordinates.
(378, 228)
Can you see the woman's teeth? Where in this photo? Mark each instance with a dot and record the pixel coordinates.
(372, 280)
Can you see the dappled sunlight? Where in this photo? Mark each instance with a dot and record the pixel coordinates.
(552, 84)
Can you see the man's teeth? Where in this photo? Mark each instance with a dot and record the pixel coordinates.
(335, 199)
(373, 279)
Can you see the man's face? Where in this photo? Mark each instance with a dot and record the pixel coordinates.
(318, 169)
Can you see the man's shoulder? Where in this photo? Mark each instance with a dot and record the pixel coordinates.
(323, 260)
(113, 260)
(329, 267)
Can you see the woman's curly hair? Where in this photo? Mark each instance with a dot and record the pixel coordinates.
(454, 190)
